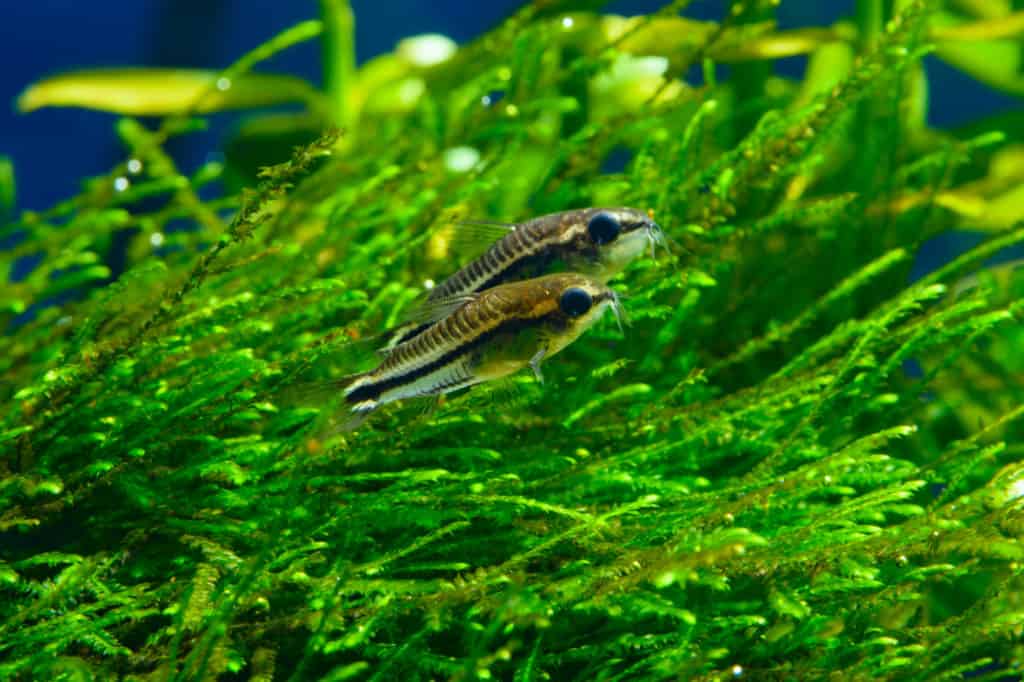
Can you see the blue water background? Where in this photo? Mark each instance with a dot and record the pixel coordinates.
(53, 149)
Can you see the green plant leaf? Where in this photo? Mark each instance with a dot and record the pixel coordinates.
(161, 92)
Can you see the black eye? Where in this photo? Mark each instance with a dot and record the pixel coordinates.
(604, 228)
(575, 302)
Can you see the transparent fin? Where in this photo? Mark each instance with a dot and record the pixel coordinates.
(431, 311)
(535, 364)
(621, 319)
(352, 422)
(499, 395)
(488, 230)
(475, 236)
(344, 422)
(429, 406)
(316, 391)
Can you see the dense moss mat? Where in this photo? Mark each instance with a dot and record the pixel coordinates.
(795, 463)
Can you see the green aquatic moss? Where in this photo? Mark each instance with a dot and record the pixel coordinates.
(748, 484)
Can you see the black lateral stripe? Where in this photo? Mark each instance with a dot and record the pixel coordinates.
(494, 263)
(533, 263)
(528, 251)
(373, 391)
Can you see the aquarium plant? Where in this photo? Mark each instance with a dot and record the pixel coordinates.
(801, 460)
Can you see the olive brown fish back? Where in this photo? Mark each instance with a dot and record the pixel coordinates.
(525, 241)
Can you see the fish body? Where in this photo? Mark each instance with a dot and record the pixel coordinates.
(493, 334)
(598, 242)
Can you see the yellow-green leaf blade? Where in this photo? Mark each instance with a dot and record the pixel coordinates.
(160, 92)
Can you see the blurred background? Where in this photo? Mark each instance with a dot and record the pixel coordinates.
(53, 149)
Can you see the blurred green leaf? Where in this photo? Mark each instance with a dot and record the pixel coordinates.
(161, 92)
(995, 62)
(8, 189)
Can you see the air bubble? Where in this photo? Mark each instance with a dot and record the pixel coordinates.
(492, 98)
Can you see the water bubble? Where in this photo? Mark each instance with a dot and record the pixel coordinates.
(429, 284)
(223, 83)
(121, 184)
(737, 670)
(492, 98)
(156, 239)
(567, 22)
(134, 166)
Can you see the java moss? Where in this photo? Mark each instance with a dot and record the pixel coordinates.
(796, 463)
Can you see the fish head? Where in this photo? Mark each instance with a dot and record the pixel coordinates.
(568, 304)
(606, 240)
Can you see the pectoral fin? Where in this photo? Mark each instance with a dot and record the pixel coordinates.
(535, 363)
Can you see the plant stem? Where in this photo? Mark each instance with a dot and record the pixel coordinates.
(339, 57)
(870, 21)
(749, 77)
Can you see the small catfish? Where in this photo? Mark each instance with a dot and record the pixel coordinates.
(599, 242)
(492, 334)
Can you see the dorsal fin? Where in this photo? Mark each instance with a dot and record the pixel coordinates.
(423, 313)
(430, 311)
(476, 235)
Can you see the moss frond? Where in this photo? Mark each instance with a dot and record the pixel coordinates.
(798, 463)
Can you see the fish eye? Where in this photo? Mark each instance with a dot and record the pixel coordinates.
(604, 228)
(575, 302)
